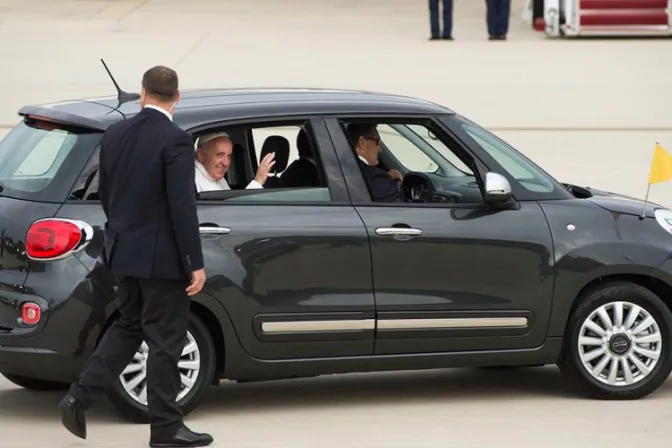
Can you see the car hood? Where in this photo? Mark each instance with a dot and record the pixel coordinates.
(614, 202)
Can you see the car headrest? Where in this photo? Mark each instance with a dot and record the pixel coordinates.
(280, 146)
(303, 145)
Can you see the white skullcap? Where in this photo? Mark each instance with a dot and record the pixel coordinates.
(207, 137)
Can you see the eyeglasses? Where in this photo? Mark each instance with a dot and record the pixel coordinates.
(375, 139)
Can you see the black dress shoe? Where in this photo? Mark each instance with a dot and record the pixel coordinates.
(73, 416)
(181, 438)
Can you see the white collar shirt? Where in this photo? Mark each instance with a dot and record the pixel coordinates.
(163, 111)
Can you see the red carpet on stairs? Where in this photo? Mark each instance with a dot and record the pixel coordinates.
(623, 13)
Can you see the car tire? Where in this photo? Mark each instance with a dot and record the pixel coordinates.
(135, 411)
(624, 370)
(35, 384)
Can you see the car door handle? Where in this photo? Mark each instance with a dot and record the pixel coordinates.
(398, 231)
(214, 230)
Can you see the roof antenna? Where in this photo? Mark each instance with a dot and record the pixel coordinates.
(122, 96)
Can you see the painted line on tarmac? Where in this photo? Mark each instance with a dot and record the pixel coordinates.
(119, 10)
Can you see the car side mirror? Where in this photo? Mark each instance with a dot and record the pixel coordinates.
(497, 188)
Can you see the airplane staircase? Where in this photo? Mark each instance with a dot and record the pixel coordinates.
(573, 18)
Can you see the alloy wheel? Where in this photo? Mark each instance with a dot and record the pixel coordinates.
(134, 377)
(620, 344)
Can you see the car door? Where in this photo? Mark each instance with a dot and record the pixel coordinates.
(292, 266)
(449, 276)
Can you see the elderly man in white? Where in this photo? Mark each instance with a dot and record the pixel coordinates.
(213, 158)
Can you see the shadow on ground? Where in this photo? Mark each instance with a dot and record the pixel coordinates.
(388, 389)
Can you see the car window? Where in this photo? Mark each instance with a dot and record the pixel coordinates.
(39, 159)
(525, 172)
(416, 148)
(260, 135)
(432, 140)
(298, 175)
(409, 154)
(434, 168)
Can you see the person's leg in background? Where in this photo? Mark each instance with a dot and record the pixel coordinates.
(498, 12)
(434, 19)
(447, 20)
(491, 17)
(504, 12)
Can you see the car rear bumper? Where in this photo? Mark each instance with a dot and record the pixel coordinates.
(40, 363)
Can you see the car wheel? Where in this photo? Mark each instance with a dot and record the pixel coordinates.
(128, 394)
(34, 383)
(618, 343)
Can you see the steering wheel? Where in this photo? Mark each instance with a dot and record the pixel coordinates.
(417, 187)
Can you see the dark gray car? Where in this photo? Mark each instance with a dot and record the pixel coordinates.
(490, 261)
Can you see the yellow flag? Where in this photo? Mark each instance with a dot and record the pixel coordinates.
(661, 167)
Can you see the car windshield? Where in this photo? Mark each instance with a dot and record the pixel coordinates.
(38, 159)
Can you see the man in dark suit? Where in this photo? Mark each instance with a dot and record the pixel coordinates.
(152, 246)
(366, 141)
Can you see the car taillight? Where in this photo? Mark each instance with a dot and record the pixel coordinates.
(31, 313)
(56, 238)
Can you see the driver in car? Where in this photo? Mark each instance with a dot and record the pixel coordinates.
(366, 141)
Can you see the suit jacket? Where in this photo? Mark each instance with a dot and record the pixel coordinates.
(146, 187)
(302, 172)
(383, 188)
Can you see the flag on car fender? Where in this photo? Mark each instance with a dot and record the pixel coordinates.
(661, 166)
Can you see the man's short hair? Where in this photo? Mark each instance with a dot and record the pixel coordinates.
(201, 142)
(356, 130)
(161, 82)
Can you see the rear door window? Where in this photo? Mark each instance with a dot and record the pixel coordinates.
(40, 160)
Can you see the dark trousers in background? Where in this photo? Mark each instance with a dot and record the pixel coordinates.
(498, 16)
(157, 310)
(447, 18)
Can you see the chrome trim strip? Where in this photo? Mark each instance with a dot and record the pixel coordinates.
(205, 230)
(314, 326)
(458, 322)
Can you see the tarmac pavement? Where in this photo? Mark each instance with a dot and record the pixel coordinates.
(589, 111)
